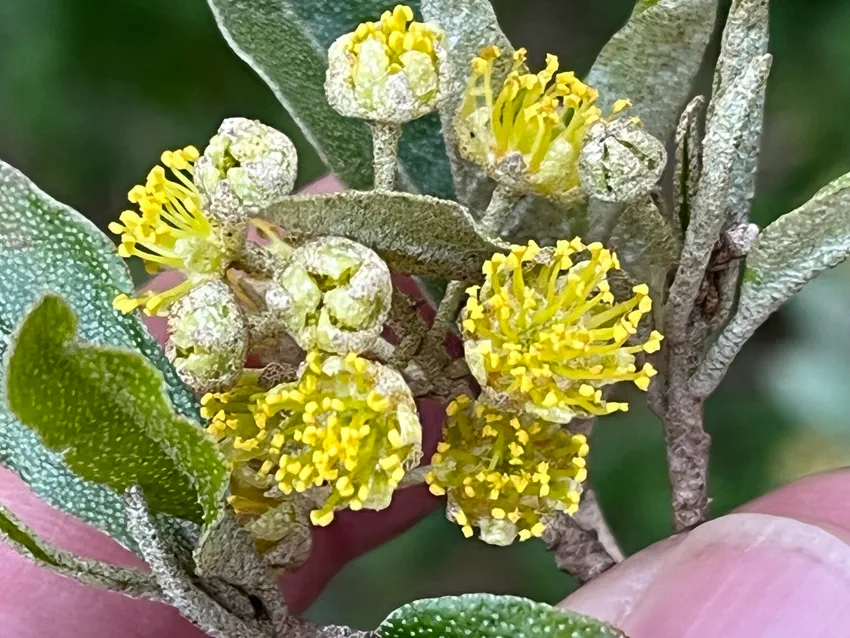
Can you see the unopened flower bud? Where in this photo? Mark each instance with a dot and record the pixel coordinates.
(620, 161)
(246, 167)
(334, 295)
(209, 337)
(388, 71)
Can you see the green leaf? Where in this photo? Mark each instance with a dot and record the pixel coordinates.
(106, 410)
(793, 250)
(724, 137)
(654, 59)
(414, 234)
(46, 246)
(745, 39)
(130, 582)
(286, 43)
(489, 616)
(470, 25)
(644, 240)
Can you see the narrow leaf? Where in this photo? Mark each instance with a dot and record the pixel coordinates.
(489, 616)
(46, 246)
(286, 43)
(723, 140)
(470, 25)
(130, 582)
(793, 250)
(654, 59)
(106, 410)
(745, 39)
(414, 234)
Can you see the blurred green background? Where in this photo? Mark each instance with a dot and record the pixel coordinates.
(91, 92)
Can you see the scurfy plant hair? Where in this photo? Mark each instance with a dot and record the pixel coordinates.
(515, 244)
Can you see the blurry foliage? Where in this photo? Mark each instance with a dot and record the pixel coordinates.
(91, 93)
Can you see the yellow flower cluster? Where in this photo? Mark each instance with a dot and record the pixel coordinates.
(170, 229)
(506, 473)
(542, 117)
(399, 34)
(347, 428)
(545, 332)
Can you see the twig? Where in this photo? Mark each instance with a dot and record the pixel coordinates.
(591, 518)
(385, 137)
(501, 204)
(577, 551)
(177, 586)
(408, 326)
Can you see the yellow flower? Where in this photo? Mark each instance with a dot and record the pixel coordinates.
(528, 132)
(388, 71)
(170, 229)
(345, 433)
(506, 473)
(545, 334)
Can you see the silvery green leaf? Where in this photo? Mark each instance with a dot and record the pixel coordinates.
(793, 250)
(489, 616)
(414, 234)
(470, 25)
(547, 221)
(644, 240)
(745, 38)
(724, 138)
(286, 43)
(106, 411)
(688, 165)
(24, 541)
(180, 588)
(654, 59)
(45, 247)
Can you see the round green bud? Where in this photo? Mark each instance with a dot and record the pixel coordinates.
(246, 167)
(334, 295)
(208, 337)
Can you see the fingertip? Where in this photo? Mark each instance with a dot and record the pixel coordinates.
(778, 566)
(820, 499)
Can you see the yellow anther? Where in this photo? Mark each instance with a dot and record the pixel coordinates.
(321, 519)
(436, 490)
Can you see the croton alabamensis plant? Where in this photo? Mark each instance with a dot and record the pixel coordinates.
(514, 244)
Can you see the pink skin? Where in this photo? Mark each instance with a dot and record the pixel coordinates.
(778, 567)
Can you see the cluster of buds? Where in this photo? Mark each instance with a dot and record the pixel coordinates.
(543, 335)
